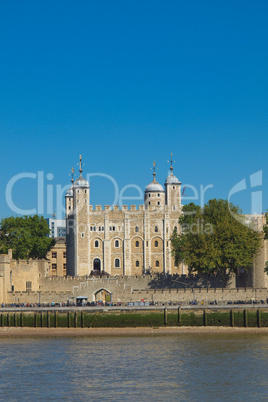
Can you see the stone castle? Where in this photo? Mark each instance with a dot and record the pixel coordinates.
(126, 241)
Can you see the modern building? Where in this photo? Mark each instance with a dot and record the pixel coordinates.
(57, 227)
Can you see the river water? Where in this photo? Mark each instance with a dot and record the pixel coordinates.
(183, 367)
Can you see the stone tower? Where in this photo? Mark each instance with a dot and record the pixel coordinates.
(126, 240)
(173, 190)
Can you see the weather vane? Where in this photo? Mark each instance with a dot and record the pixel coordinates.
(171, 161)
(80, 164)
(154, 168)
(72, 174)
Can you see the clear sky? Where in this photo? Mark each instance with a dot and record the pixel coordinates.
(125, 83)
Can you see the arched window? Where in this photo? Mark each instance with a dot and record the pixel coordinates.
(156, 229)
(156, 243)
(137, 263)
(117, 263)
(175, 228)
(137, 244)
(96, 243)
(157, 263)
(158, 203)
(136, 229)
(173, 187)
(149, 202)
(116, 243)
(158, 195)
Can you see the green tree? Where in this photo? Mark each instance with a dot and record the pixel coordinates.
(265, 228)
(214, 240)
(266, 268)
(26, 236)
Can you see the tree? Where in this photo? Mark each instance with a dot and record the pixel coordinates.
(265, 228)
(214, 240)
(26, 236)
(266, 268)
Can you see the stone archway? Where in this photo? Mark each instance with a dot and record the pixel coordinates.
(103, 295)
(97, 265)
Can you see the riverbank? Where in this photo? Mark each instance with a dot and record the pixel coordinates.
(17, 332)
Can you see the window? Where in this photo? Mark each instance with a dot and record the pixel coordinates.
(85, 191)
(117, 263)
(94, 228)
(54, 255)
(158, 203)
(103, 228)
(149, 195)
(156, 229)
(173, 187)
(157, 263)
(69, 207)
(175, 228)
(137, 244)
(158, 195)
(149, 202)
(78, 191)
(167, 243)
(137, 263)
(156, 243)
(116, 243)
(64, 266)
(136, 229)
(28, 286)
(147, 244)
(54, 266)
(99, 228)
(64, 254)
(113, 228)
(96, 243)
(82, 234)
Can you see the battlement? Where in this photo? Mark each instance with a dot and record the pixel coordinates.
(123, 208)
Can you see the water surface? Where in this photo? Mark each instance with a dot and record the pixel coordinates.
(155, 368)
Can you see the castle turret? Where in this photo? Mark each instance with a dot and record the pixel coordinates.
(69, 197)
(77, 226)
(154, 193)
(173, 189)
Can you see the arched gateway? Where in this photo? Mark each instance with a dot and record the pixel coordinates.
(103, 295)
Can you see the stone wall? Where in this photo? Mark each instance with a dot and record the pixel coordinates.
(131, 289)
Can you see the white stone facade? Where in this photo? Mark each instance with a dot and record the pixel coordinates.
(122, 241)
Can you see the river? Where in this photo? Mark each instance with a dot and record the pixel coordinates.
(182, 367)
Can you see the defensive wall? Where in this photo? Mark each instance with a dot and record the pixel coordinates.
(130, 290)
(27, 281)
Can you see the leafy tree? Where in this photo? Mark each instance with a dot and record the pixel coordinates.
(265, 228)
(266, 268)
(214, 240)
(26, 236)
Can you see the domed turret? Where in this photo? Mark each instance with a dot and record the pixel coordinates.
(69, 196)
(171, 179)
(154, 193)
(81, 182)
(173, 189)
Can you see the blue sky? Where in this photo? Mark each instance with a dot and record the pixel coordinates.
(125, 83)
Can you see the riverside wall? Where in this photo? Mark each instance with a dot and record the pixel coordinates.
(130, 289)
